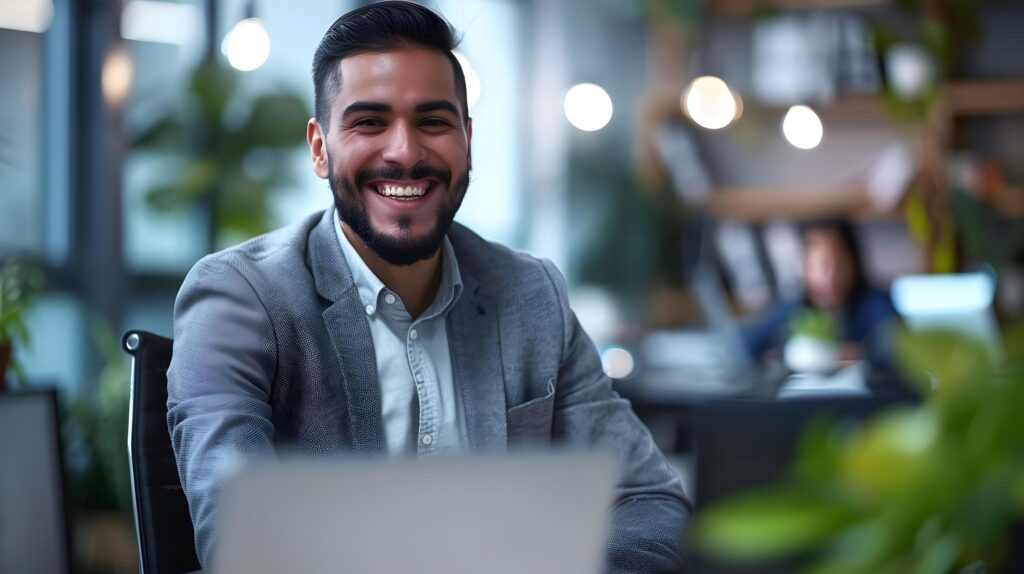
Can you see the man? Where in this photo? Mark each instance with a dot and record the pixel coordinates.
(381, 326)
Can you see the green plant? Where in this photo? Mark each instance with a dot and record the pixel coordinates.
(926, 489)
(20, 284)
(943, 38)
(814, 324)
(97, 430)
(236, 151)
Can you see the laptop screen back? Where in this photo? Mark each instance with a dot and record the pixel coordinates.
(513, 514)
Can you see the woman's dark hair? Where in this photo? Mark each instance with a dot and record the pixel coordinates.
(848, 239)
(380, 27)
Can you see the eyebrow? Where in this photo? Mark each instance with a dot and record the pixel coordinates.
(435, 105)
(357, 107)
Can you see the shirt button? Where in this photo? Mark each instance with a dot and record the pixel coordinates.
(419, 378)
(427, 439)
(389, 299)
(413, 334)
(370, 309)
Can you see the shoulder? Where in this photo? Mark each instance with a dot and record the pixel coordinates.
(501, 269)
(278, 253)
(876, 301)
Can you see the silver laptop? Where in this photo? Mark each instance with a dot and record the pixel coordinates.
(512, 514)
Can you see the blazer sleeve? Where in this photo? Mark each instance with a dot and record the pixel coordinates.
(218, 386)
(651, 509)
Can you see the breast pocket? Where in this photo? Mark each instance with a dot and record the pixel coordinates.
(530, 422)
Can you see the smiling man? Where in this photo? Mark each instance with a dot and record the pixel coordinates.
(379, 326)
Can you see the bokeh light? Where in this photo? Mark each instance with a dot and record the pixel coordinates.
(117, 76)
(588, 107)
(162, 22)
(710, 103)
(802, 127)
(26, 15)
(247, 45)
(617, 362)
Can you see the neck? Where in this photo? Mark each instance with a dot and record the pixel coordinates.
(415, 284)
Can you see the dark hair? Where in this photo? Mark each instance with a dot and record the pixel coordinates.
(380, 27)
(848, 239)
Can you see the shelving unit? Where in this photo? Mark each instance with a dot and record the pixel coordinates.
(748, 7)
(985, 97)
(961, 98)
(957, 99)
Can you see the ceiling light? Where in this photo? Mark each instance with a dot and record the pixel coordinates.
(802, 127)
(588, 107)
(247, 45)
(710, 103)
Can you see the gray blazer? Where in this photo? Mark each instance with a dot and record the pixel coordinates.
(272, 348)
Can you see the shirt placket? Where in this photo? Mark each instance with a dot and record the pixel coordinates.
(426, 392)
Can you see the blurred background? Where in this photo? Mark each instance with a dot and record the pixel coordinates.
(668, 155)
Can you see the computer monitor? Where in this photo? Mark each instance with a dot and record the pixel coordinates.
(33, 522)
(957, 302)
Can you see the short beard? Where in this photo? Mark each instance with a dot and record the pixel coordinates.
(401, 251)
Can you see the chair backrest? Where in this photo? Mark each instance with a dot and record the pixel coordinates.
(163, 525)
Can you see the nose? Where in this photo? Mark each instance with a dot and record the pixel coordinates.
(403, 146)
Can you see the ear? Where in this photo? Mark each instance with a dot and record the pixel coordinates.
(317, 148)
(469, 143)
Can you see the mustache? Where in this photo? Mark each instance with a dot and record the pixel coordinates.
(395, 172)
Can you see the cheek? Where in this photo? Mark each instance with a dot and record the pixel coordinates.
(350, 155)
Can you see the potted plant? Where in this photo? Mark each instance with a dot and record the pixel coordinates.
(813, 346)
(20, 282)
(96, 435)
(233, 152)
(936, 487)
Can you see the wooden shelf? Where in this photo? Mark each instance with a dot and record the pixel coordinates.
(748, 7)
(985, 97)
(843, 107)
(762, 204)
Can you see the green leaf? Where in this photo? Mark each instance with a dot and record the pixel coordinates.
(894, 457)
(168, 133)
(819, 452)
(939, 556)
(815, 324)
(276, 120)
(767, 524)
(943, 357)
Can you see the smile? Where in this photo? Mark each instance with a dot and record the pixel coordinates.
(401, 192)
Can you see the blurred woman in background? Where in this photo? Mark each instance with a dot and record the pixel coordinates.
(834, 285)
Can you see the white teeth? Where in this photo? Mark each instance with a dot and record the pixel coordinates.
(402, 191)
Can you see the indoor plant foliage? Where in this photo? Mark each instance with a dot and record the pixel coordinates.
(237, 151)
(932, 488)
(813, 342)
(97, 432)
(20, 283)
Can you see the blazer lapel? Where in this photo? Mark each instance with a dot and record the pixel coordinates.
(476, 358)
(350, 334)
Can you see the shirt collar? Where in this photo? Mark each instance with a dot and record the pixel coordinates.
(369, 286)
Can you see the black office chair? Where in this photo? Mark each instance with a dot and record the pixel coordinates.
(163, 525)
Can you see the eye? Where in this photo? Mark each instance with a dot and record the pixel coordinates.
(367, 124)
(436, 124)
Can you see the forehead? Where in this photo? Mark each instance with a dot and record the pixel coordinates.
(824, 240)
(408, 75)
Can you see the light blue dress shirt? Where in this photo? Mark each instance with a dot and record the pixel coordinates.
(420, 401)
